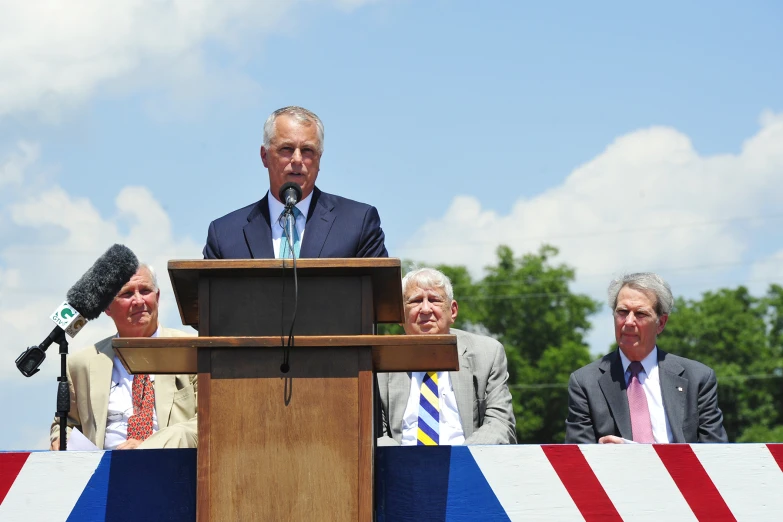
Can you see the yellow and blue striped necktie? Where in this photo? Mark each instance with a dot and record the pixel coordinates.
(428, 433)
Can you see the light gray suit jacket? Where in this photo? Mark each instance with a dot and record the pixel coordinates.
(598, 405)
(89, 379)
(483, 398)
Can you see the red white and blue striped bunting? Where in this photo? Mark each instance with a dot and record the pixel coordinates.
(707, 482)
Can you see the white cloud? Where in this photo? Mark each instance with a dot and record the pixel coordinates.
(765, 272)
(647, 202)
(12, 169)
(63, 238)
(55, 55)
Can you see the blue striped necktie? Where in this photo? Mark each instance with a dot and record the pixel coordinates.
(285, 248)
(428, 433)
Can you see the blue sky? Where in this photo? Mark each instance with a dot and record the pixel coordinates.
(632, 137)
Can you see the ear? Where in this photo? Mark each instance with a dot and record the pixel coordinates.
(454, 310)
(662, 323)
(264, 154)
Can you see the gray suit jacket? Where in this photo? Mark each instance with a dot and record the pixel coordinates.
(598, 405)
(483, 398)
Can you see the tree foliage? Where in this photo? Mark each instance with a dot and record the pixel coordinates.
(738, 336)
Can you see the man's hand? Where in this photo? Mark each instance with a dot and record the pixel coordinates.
(129, 444)
(611, 439)
(55, 444)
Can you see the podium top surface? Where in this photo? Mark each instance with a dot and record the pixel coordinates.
(390, 353)
(385, 274)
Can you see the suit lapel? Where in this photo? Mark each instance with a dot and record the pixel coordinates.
(100, 385)
(612, 384)
(462, 382)
(672, 381)
(319, 222)
(258, 231)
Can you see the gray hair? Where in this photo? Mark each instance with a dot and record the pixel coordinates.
(153, 275)
(299, 114)
(428, 278)
(647, 282)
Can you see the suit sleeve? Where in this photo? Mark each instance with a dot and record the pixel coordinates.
(73, 413)
(710, 417)
(212, 249)
(499, 425)
(579, 423)
(384, 436)
(371, 242)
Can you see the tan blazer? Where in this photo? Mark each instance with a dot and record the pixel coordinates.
(89, 378)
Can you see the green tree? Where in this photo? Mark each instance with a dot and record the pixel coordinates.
(527, 303)
(737, 335)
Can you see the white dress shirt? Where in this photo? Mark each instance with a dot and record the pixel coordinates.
(121, 405)
(450, 432)
(275, 209)
(651, 384)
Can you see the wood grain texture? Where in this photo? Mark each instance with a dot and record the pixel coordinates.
(203, 475)
(285, 447)
(390, 353)
(366, 439)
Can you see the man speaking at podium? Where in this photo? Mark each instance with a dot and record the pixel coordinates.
(115, 410)
(326, 225)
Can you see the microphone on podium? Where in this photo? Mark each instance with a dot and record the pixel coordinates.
(290, 194)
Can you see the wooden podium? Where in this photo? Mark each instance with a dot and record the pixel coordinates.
(296, 444)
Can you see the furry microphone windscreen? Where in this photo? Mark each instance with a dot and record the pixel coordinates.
(96, 289)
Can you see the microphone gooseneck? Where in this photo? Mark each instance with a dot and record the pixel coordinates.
(290, 194)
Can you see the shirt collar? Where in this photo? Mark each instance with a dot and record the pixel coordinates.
(648, 363)
(154, 334)
(276, 208)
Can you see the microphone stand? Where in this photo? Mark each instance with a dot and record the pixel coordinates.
(63, 391)
(31, 359)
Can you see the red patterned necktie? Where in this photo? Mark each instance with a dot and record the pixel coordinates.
(140, 423)
(641, 426)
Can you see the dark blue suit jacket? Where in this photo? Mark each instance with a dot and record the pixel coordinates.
(336, 227)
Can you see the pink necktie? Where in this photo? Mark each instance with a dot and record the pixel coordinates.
(637, 403)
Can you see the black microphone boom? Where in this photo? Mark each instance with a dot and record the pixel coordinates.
(290, 194)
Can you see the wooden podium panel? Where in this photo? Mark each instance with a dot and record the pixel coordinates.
(300, 443)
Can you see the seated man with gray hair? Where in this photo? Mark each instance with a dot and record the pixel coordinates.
(469, 406)
(640, 393)
(115, 410)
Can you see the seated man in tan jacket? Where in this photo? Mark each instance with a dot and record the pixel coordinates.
(115, 410)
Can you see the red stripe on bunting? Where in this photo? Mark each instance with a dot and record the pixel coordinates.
(777, 453)
(694, 483)
(581, 483)
(10, 466)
